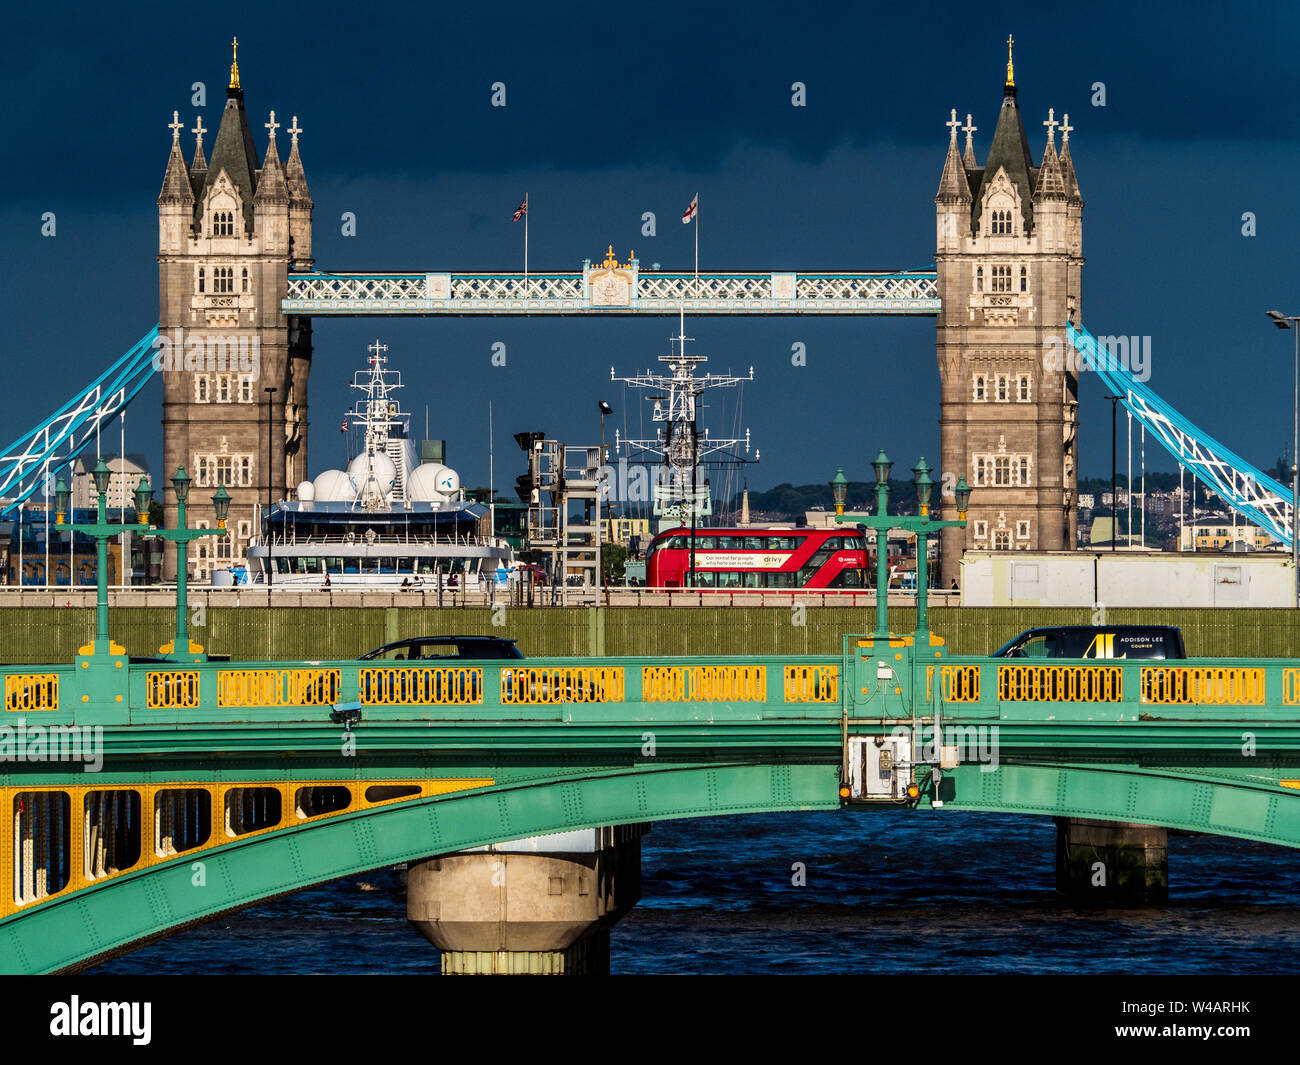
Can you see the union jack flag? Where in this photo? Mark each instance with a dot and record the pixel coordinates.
(345, 425)
(521, 210)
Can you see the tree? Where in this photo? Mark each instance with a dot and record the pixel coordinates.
(156, 513)
(612, 559)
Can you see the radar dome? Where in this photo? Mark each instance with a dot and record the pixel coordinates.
(333, 486)
(432, 482)
(361, 467)
(306, 492)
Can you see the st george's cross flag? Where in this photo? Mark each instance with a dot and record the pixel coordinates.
(689, 214)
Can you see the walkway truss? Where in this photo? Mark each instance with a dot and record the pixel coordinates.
(28, 463)
(1246, 489)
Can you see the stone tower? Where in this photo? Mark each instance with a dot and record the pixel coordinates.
(229, 230)
(1009, 258)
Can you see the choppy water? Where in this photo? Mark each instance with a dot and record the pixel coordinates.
(886, 892)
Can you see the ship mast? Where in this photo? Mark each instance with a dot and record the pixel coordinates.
(678, 446)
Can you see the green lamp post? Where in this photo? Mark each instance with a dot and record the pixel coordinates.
(101, 532)
(181, 647)
(839, 490)
(922, 524)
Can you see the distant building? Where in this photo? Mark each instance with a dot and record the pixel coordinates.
(121, 486)
(1216, 531)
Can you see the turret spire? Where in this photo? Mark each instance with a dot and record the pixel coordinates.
(1011, 67)
(200, 163)
(968, 157)
(234, 63)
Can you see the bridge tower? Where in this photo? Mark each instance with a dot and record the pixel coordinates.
(1009, 258)
(229, 230)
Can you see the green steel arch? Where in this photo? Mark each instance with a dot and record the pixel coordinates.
(105, 919)
(111, 917)
(1236, 803)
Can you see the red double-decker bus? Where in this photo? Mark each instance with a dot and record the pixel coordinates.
(758, 558)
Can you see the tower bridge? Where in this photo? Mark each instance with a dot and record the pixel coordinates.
(235, 255)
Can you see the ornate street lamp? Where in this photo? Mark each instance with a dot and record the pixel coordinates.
(101, 532)
(839, 490)
(922, 524)
(181, 647)
(143, 497)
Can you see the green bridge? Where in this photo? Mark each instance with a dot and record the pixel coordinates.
(145, 797)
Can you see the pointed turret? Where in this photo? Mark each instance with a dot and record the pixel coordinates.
(1010, 149)
(300, 205)
(234, 152)
(272, 189)
(968, 157)
(176, 181)
(1051, 182)
(1067, 165)
(954, 189)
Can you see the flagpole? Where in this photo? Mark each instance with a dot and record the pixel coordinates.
(697, 238)
(525, 238)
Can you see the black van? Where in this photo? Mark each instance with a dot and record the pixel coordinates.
(1096, 641)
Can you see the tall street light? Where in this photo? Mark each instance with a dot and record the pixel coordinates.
(922, 524)
(270, 464)
(101, 531)
(605, 410)
(181, 648)
(1288, 321)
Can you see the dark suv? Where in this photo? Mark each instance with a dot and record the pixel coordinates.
(427, 648)
(1096, 641)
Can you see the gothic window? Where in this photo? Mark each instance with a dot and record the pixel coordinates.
(245, 288)
(223, 279)
(1001, 540)
(1022, 530)
(979, 279)
(1002, 470)
(1022, 473)
(201, 280)
(225, 465)
(1001, 278)
(1024, 279)
(980, 469)
(223, 224)
(200, 389)
(1003, 394)
(245, 389)
(981, 530)
(1022, 388)
(223, 388)
(200, 471)
(981, 388)
(246, 470)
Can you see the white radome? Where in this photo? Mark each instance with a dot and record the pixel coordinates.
(306, 492)
(333, 486)
(432, 482)
(380, 465)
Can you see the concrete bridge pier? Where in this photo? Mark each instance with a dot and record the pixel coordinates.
(541, 906)
(1111, 863)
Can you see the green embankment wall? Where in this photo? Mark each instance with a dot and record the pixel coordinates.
(53, 634)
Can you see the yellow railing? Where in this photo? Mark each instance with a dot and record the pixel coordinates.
(1203, 685)
(703, 684)
(534, 685)
(277, 687)
(421, 685)
(1061, 684)
(958, 684)
(172, 690)
(31, 691)
(812, 684)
